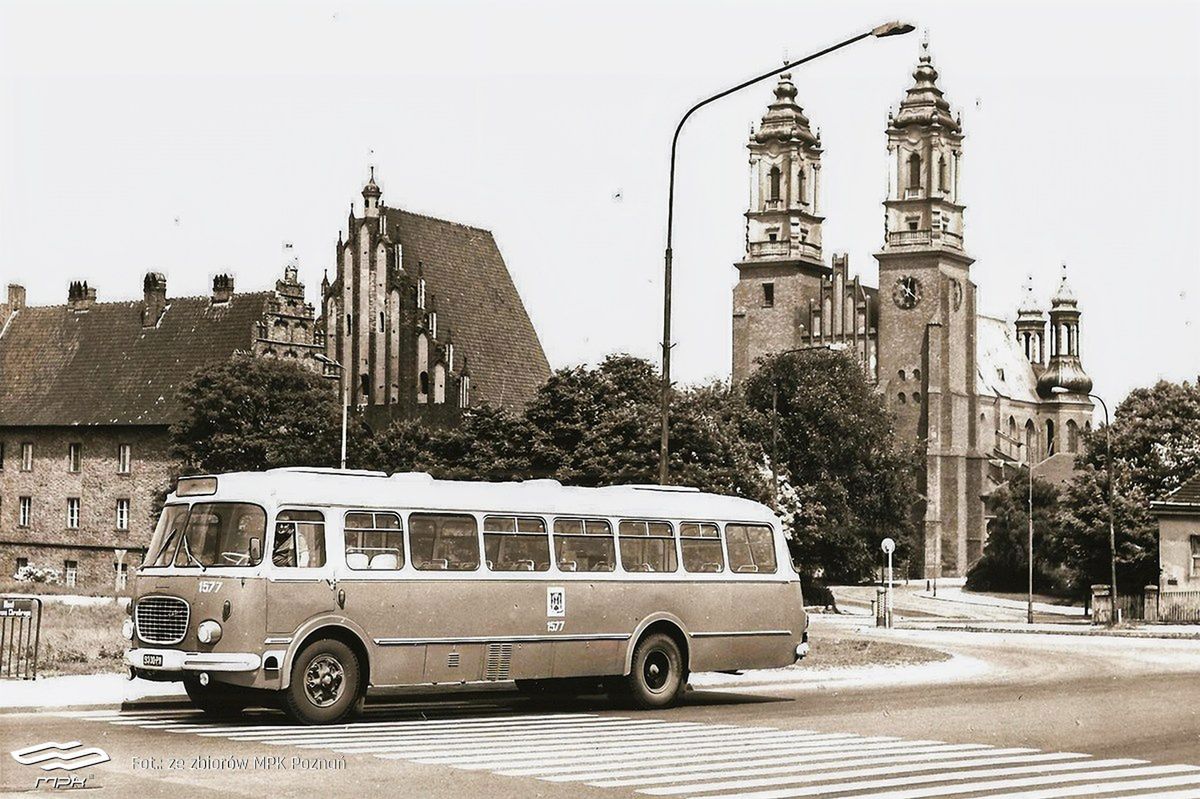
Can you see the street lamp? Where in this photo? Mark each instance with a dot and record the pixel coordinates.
(1029, 463)
(1112, 529)
(882, 31)
(345, 398)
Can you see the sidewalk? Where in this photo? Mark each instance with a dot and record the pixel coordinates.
(84, 690)
(957, 594)
(1165, 631)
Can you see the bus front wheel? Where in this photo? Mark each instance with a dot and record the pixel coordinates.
(658, 675)
(326, 683)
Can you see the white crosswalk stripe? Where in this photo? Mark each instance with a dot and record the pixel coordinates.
(661, 756)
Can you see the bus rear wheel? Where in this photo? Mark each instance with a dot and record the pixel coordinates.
(326, 683)
(658, 675)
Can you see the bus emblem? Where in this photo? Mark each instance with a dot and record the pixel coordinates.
(556, 602)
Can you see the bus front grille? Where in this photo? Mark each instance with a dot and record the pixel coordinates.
(499, 658)
(161, 619)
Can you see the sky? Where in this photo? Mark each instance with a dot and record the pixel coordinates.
(195, 139)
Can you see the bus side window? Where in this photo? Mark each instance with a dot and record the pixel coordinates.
(584, 545)
(444, 541)
(374, 540)
(701, 545)
(751, 548)
(647, 546)
(299, 539)
(515, 544)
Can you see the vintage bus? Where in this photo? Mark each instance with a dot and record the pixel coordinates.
(304, 587)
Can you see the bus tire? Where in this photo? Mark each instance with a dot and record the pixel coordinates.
(215, 699)
(326, 683)
(658, 675)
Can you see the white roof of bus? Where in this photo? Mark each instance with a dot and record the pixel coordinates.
(417, 490)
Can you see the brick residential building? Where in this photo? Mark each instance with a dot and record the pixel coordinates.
(88, 391)
(975, 392)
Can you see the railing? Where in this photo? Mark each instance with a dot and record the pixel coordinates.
(20, 635)
(784, 248)
(909, 238)
(1179, 606)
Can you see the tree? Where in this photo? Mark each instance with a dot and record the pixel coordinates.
(836, 444)
(1005, 562)
(252, 413)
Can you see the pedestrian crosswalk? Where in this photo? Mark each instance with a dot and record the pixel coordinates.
(660, 755)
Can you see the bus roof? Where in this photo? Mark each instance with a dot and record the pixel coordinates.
(417, 490)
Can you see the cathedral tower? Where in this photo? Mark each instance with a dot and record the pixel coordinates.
(927, 321)
(1031, 326)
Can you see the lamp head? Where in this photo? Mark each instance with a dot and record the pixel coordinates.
(893, 28)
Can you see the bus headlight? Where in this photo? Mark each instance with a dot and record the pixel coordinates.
(209, 632)
(127, 629)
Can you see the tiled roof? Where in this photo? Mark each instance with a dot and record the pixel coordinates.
(1186, 494)
(1002, 368)
(98, 367)
(477, 300)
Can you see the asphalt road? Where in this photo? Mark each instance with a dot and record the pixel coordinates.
(1029, 716)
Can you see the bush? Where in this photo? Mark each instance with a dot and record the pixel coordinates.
(37, 574)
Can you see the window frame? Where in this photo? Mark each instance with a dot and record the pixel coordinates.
(401, 531)
(1194, 544)
(74, 504)
(26, 456)
(517, 518)
(729, 560)
(457, 514)
(720, 541)
(674, 538)
(124, 459)
(122, 526)
(25, 512)
(75, 457)
(268, 554)
(611, 536)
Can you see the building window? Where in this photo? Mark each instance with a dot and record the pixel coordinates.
(914, 172)
(349, 324)
(916, 374)
(122, 514)
(421, 293)
(422, 386)
(901, 374)
(433, 324)
(773, 184)
(943, 174)
(71, 570)
(1050, 443)
(439, 384)
(74, 457)
(24, 511)
(464, 392)
(27, 456)
(768, 297)
(800, 194)
(902, 399)
(365, 386)
(916, 397)
(449, 362)
(1072, 436)
(22, 563)
(121, 575)
(913, 223)
(124, 458)
(73, 513)
(382, 322)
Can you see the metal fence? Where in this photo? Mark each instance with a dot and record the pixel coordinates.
(20, 635)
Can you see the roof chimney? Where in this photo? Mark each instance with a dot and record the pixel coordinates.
(80, 296)
(222, 288)
(154, 302)
(16, 297)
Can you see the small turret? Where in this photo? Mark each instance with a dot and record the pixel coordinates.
(1064, 374)
(1031, 326)
(371, 197)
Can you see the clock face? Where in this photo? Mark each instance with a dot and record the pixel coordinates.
(907, 292)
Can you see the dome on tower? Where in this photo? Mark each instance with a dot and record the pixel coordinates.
(372, 188)
(785, 120)
(924, 103)
(1029, 308)
(1065, 296)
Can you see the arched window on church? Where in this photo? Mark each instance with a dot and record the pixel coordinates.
(1012, 433)
(439, 384)
(422, 368)
(1050, 444)
(801, 194)
(943, 174)
(1072, 436)
(1030, 441)
(773, 184)
(464, 391)
(914, 172)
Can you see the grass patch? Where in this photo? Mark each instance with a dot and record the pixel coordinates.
(833, 648)
(81, 639)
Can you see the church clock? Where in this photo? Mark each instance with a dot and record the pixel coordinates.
(907, 292)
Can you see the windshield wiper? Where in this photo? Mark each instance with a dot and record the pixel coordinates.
(167, 541)
(187, 550)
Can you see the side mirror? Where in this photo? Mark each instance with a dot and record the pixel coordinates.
(255, 550)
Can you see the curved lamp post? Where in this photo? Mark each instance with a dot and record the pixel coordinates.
(884, 30)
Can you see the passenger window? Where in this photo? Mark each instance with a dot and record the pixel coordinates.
(515, 544)
(701, 545)
(584, 545)
(374, 540)
(647, 547)
(751, 548)
(299, 539)
(444, 542)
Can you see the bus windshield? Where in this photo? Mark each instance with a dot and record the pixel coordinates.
(209, 534)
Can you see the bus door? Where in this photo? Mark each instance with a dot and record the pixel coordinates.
(301, 584)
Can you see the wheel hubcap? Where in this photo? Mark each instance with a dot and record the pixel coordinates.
(656, 670)
(324, 680)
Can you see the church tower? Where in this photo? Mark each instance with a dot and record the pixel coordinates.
(783, 264)
(927, 321)
(1031, 326)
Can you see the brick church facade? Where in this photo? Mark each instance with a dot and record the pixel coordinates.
(977, 393)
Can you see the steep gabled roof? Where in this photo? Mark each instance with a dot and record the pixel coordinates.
(1001, 365)
(477, 300)
(98, 367)
(1187, 494)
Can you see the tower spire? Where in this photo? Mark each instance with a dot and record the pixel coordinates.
(1065, 371)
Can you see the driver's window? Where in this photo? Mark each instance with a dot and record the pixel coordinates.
(299, 539)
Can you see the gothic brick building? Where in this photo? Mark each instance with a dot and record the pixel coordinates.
(975, 392)
(424, 319)
(88, 391)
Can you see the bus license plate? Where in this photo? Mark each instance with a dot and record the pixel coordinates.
(151, 660)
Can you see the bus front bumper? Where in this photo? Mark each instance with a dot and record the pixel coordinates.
(178, 660)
